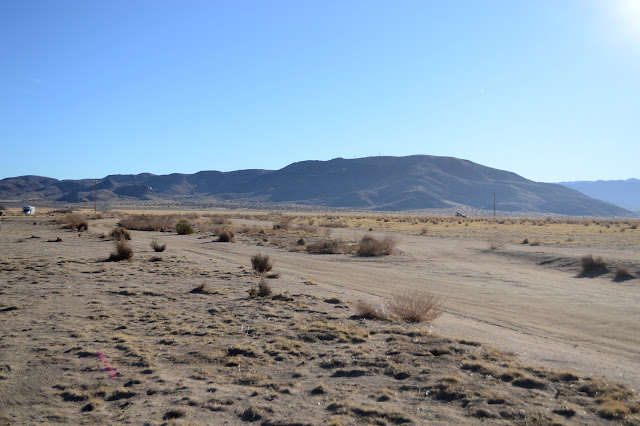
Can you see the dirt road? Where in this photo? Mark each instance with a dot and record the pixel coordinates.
(545, 313)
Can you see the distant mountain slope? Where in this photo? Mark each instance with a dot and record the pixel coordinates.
(415, 182)
(623, 193)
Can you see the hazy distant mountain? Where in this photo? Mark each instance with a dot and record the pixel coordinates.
(623, 193)
(377, 183)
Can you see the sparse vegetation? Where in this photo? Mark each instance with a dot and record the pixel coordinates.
(371, 246)
(622, 273)
(325, 246)
(75, 221)
(495, 243)
(368, 311)
(261, 263)
(591, 265)
(119, 233)
(415, 306)
(157, 246)
(123, 251)
(158, 223)
(226, 235)
(184, 228)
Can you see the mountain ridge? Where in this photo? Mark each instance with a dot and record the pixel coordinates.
(381, 183)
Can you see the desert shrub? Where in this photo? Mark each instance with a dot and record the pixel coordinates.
(120, 233)
(525, 241)
(183, 228)
(161, 223)
(415, 306)
(123, 251)
(622, 274)
(263, 289)
(301, 242)
(261, 263)
(327, 246)
(371, 246)
(2, 207)
(74, 221)
(157, 247)
(283, 224)
(424, 231)
(226, 235)
(220, 220)
(590, 264)
(368, 311)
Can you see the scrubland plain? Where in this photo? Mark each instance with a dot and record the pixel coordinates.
(201, 333)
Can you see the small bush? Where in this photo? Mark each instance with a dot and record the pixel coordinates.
(227, 235)
(368, 311)
(415, 306)
(261, 263)
(325, 247)
(157, 247)
(622, 274)
(590, 264)
(183, 228)
(123, 251)
(220, 220)
(263, 289)
(75, 221)
(161, 223)
(371, 246)
(525, 241)
(301, 242)
(119, 233)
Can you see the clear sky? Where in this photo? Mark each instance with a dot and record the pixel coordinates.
(548, 89)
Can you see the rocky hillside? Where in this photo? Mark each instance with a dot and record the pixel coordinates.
(377, 183)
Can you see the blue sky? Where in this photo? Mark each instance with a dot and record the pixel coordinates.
(547, 89)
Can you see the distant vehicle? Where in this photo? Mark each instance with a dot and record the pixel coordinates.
(461, 215)
(29, 210)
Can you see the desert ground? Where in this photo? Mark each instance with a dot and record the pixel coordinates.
(175, 336)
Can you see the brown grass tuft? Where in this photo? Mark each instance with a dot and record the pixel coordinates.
(226, 235)
(622, 274)
(261, 263)
(123, 251)
(328, 246)
(415, 306)
(371, 246)
(157, 247)
(368, 311)
(590, 264)
(120, 233)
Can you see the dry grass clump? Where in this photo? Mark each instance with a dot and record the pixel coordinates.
(261, 263)
(123, 251)
(226, 235)
(161, 223)
(283, 224)
(371, 246)
(368, 311)
(415, 306)
(184, 228)
(622, 273)
(327, 246)
(120, 233)
(219, 220)
(263, 289)
(590, 264)
(157, 247)
(75, 221)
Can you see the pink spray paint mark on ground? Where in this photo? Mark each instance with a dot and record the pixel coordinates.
(106, 365)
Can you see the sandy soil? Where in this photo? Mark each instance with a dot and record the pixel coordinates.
(67, 316)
